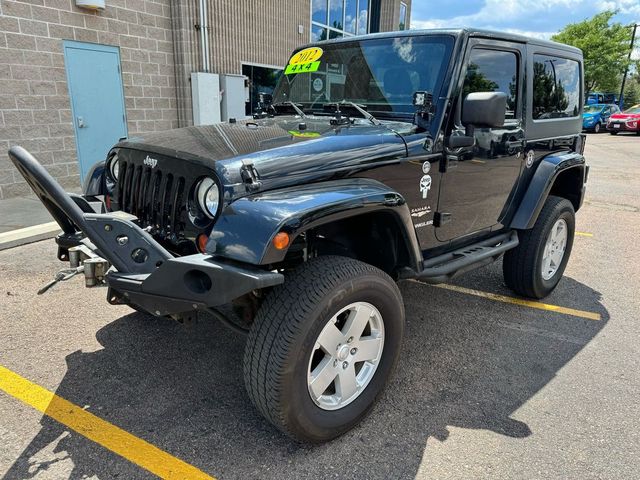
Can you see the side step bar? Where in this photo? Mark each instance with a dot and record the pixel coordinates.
(444, 267)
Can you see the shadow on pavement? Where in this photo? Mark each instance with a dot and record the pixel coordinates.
(467, 362)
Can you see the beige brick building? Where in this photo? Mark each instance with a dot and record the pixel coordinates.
(156, 44)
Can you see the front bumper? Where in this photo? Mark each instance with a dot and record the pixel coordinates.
(139, 270)
(623, 126)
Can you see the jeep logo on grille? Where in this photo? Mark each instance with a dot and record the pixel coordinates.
(152, 162)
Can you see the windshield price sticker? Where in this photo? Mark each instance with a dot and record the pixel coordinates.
(302, 68)
(305, 61)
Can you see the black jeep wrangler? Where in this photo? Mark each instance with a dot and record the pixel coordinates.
(405, 155)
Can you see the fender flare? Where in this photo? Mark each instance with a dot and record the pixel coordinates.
(246, 227)
(94, 182)
(540, 186)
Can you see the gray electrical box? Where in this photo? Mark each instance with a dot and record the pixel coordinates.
(205, 96)
(233, 96)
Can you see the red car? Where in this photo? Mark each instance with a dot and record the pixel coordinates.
(627, 121)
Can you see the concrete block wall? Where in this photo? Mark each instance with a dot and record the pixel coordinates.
(35, 109)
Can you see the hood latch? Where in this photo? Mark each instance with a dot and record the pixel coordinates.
(250, 177)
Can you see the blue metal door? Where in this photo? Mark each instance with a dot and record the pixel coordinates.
(97, 100)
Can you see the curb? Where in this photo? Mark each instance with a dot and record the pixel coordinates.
(26, 235)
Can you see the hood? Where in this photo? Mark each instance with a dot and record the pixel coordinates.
(279, 146)
(625, 116)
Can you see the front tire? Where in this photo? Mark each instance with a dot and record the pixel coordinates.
(323, 346)
(596, 128)
(536, 265)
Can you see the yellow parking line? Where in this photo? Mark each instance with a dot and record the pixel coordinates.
(584, 234)
(520, 301)
(113, 438)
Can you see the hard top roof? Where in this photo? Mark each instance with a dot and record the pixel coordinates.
(457, 32)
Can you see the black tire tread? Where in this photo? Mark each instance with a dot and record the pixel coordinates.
(518, 263)
(278, 323)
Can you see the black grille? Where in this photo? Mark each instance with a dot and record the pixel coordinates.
(157, 198)
(162, 197)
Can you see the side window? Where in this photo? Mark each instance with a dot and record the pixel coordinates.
(556, 87)
(493, 71)
(614, 109)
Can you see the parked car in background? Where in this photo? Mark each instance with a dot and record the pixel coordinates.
(627, 121)
(599, 97)
(596, 116)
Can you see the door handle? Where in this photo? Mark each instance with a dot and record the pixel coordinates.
(80, 122)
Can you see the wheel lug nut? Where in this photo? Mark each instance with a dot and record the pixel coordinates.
(350, 339)
(353, 351)
(345, 364)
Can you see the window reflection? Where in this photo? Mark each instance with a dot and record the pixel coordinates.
(336, 14)
(338, 18)
(556, 87)
(363, 17)
(493, 71)
(403, 16)
(350, 15)
(319, 11)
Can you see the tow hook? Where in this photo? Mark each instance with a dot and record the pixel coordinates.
(82, 260)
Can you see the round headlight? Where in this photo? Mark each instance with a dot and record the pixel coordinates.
(208, 195)
(114, 167)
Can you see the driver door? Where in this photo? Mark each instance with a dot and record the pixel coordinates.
(479, 182)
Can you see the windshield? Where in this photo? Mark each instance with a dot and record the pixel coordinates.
(593, 108)
(379, 74)
(634, 109)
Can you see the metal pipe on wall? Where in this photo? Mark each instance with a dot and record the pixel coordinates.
(204, 35)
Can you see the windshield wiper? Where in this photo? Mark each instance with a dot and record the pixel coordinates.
(362, 111)
(294, 105)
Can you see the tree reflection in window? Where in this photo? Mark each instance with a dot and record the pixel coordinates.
(556, 87)
(493, 71)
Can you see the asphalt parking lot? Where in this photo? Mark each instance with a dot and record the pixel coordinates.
(485, 388)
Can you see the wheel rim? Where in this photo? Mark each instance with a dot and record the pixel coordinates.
(345, 356)
(596, 129)
(554, 249)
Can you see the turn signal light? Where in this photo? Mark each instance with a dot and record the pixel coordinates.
(281, 241)
(201, 241)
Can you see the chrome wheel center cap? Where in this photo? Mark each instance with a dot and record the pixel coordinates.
(343, 352)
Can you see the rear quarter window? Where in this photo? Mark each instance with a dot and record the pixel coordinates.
(556, 87)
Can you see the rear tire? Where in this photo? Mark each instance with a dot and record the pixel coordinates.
(292, 343)
(535, 266)
(596, 128)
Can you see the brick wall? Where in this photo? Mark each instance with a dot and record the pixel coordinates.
(35, 109)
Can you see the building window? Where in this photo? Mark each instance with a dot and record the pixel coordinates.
(402, 25)
(338, 18)
(556, 87)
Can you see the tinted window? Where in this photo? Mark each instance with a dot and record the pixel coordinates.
(493, 71)
(556, 87)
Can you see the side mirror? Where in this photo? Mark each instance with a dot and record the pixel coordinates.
(479, 109)
(484, 109)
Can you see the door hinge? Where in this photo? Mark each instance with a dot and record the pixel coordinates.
(441, 218)
(447, 162)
